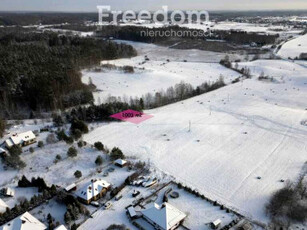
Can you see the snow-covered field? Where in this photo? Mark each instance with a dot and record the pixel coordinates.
(248, 27)
(294, 47)
(228, 25)
(244, 138)
(240, 132)
(158, 73)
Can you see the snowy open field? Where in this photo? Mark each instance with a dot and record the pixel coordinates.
(227, 25)
(294, 47)
(240, 132)
(158, 73)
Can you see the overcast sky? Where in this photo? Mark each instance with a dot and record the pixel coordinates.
(90, 5)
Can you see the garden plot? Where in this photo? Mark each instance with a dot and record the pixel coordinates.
(200, 213)
(57, 211)
(20, 195)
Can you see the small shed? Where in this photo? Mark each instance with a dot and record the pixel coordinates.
(131, 212)
(120, 163)
(71, 187)
(2, 150)
(215, 224)
(8, 192)
(3, 206)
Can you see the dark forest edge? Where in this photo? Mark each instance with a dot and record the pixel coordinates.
(40, 72)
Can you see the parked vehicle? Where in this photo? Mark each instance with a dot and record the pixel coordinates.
(135, 193)
(95, 204)
(118, 197)
(107, 205)
(150, 183)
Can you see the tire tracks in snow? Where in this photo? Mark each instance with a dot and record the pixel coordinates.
(260, 164)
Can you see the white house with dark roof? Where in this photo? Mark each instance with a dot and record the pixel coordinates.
(93, 190)
(20, 139)
(24, 222)
(164, 217)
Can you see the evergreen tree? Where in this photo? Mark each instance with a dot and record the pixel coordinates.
(116, 153)
(99, 146)
(99, 160)
(2, 127)
(72, 152)
(78, 174)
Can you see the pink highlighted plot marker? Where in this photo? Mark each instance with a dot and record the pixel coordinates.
(132, 116)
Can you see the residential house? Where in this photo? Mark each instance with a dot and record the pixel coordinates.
(8, 192)
(93, 191)
(164, 217)
(21, 139)
(24, 222)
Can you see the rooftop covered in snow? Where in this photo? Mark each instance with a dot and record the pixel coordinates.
(165, 216)
(92, 189)
(17, 139)
(24, 222)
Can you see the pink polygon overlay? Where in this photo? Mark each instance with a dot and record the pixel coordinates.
(132, 116)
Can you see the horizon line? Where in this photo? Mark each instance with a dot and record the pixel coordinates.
(59, 11)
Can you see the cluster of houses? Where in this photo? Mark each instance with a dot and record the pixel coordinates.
(162, 217)
(19, 139)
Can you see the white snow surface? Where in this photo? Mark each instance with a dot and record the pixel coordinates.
(24, 222)
(240, 132)
(294, 47)
(229, 25)
(158, 73)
